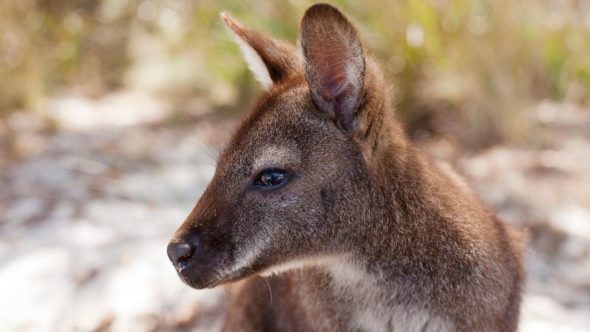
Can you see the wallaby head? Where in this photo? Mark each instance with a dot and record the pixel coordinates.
(294, 178)
(320, 176)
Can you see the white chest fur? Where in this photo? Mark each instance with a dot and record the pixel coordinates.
(369, 310)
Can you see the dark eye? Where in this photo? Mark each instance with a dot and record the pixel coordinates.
(270, 178)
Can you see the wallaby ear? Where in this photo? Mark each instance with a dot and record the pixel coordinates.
(270, 60)
(334, 62)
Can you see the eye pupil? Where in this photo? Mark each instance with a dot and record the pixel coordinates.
(270, 178)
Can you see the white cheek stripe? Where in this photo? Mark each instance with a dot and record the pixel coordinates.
(320, 261)
(251, 255)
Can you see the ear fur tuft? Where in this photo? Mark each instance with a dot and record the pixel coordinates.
(270, 60)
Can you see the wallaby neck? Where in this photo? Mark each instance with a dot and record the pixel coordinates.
(415, 213)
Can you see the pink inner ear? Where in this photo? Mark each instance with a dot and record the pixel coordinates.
(334, 62)
(329, 63)
(336, 77)
(333, 85)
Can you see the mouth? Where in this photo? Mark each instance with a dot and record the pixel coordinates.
(204, 277)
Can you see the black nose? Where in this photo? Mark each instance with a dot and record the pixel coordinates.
(180, 254)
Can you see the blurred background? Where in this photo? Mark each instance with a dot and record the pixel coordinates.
(112, 113)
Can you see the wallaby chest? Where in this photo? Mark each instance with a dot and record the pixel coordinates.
(371, 302)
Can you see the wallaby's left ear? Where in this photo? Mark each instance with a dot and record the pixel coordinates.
(271, 60)
(334, 63)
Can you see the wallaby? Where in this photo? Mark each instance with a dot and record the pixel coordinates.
(330, 218)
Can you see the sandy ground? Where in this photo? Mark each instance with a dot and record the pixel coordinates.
(86, 213)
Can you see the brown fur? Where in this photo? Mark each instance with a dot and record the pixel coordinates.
(377, 235)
